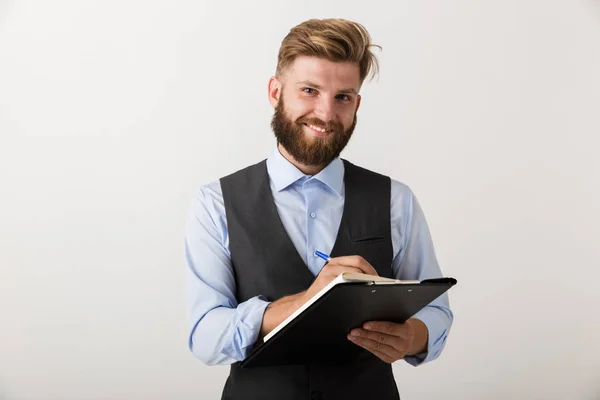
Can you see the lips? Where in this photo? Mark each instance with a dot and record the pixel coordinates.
(317, 130)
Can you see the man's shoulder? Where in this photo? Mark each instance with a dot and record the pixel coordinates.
(399, 188)
(208, 197)
(362, 170)
(243, 173)
(212, 191)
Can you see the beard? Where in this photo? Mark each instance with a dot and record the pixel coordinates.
(310, 150)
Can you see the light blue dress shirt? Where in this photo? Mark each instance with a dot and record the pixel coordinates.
(223, 331)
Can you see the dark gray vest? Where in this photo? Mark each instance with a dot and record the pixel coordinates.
(265, 262)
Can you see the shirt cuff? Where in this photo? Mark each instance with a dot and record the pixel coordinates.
(437, 333)
(247, 328)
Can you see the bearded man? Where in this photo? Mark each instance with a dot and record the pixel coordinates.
(251, 236)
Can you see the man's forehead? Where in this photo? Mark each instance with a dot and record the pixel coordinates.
(323, 73)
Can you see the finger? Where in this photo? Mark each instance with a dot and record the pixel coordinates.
(384, 352)
(336, 269)
(356, 262)
(398, 343)
(375, 345)
(404, 331)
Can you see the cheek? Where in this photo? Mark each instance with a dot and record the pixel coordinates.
(301, 112)
(347, 116)
(298, 108)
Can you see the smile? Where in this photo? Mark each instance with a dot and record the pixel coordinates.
(318, 130)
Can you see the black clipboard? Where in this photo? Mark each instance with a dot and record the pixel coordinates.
(319, 333)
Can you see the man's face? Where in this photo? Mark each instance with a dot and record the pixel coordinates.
(315, 114)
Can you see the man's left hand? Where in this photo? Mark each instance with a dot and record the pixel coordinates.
(391, 341)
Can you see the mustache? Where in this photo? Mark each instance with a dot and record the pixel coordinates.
(328, 126)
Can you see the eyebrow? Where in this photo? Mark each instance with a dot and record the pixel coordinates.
(312, 84)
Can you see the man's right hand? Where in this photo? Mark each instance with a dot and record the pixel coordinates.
(279, 310)
(335, 267)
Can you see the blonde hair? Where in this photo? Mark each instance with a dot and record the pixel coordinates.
(334, 39)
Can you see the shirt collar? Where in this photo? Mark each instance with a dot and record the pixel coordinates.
(283, 173)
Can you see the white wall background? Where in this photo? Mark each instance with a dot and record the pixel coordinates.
(112, 113)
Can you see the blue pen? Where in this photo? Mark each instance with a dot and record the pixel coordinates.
(323, 256)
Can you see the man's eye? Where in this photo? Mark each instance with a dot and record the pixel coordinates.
(343, 97)
(308, 90)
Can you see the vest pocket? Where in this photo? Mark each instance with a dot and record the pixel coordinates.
(367, 239)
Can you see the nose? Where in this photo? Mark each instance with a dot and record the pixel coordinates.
(325, 109)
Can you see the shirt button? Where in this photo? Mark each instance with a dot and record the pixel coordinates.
(313, 215)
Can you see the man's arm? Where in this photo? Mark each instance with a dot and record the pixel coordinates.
(279, 310)
(421, 334)
(221, 330)
(416, 259)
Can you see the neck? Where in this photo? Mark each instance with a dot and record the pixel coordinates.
(306, 169)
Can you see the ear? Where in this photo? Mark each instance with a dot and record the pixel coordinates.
(358, 97)
(274, 91)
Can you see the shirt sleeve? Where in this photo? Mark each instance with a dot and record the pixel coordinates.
(221, 331)
(416, 259)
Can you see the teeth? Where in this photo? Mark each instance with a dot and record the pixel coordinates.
(318, 129)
